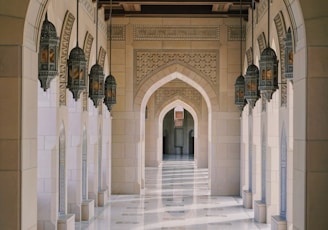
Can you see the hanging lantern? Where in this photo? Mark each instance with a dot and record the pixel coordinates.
(110, 92)
(48, 54)
(96, 84)
(96, 77)
(240, 92)
(252, 75)
(268, 82)
(77, 66)
(289, 56)
(251, 85)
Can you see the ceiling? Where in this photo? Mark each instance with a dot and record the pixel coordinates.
(175, 8)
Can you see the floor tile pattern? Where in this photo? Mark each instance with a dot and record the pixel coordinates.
(176, 197)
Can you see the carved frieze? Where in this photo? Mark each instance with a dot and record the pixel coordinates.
(261, 42)
(281, 30)
(261, 8)
(63, 55)
(102, 56)
(249, 55)
(203, 61)
(87, 50)
(185, 92)
(235, 33)
(87, 5)
(118, 32)
(149, 32)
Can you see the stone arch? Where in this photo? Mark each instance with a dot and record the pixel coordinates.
(170, 105)
(176, 71)
(261, 41)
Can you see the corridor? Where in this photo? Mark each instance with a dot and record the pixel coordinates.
(176, 197)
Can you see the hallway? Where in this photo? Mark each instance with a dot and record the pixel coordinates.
(176, 197)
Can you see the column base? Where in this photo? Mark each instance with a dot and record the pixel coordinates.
(66, 222)
(102, 198)
(278, 223)
(260, 211)
(88, 210)
(247, 199)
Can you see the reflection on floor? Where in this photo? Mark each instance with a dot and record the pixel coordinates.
(178, 157)
(176, 197)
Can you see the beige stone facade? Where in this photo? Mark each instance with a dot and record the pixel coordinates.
(161, 63)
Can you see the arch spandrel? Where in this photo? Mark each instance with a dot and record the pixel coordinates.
(172, 72)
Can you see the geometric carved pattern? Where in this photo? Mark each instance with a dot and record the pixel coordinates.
(118, 32)
(234, 33)
(261, 9)
(87, 50)
(148, 32)
(63, 54)
(204, 61)
(261, 42)
(191, 96)
(249, 55)
(87, 5)
(101, 57)
(281, 30)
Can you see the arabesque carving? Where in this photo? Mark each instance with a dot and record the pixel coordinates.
(87, 51)
(203, 61)
(149, 32)
(63, 55)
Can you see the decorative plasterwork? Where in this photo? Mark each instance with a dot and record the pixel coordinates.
(184, 92)
(102, 56)
(281, 30)
(292, 19)
(249, 55)
(234, 33)
(261, 42)
(89, 8)
(187, 33)
(63, 54)
(118, 32)
(205, 62)
(87, 50)
(261, 9)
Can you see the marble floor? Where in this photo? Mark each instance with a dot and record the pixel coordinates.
(176, 196)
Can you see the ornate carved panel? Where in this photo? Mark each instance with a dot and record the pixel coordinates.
(234, 33)
(281, 30)
(87, 50)
(261, 42)
(149, 32)
(118, 32)
(184, 92)
(203, 61)
(102, 56)
(249, 55)
(63, 55)
(87, 5)
(261, 8)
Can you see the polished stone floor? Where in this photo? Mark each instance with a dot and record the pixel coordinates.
(176, 196)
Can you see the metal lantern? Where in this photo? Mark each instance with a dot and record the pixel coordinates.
(48, 54)
(240, 92)
(77, 73)
(251, 85)
(289, 56)
(110, 92)
(268, 82)
(96, 84)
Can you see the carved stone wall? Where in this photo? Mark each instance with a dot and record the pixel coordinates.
(102, 56)
(249, 55)
(89, 7)
(205, 62)
(63, 54)
(149, 32)
(281, 30)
